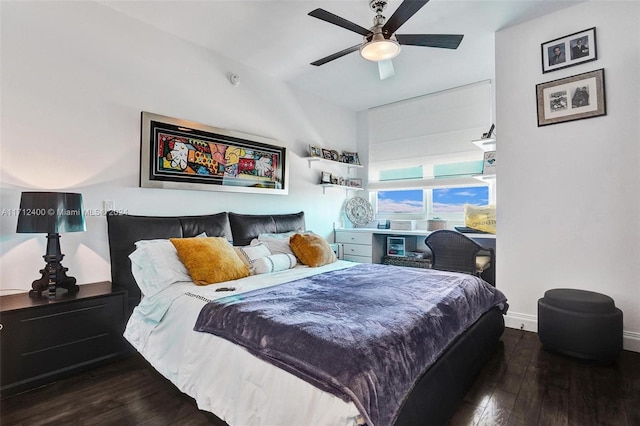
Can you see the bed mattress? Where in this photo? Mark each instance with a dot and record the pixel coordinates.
(224, 378)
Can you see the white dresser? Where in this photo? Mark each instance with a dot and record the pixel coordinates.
(357, 246)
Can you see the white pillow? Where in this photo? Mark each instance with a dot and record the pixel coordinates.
(277, 243)
(155, 265)
(249, 254)
(274, 263)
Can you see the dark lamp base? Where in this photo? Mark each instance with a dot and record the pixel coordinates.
(54, 274)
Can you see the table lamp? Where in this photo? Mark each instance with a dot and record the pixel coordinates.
(51, 213)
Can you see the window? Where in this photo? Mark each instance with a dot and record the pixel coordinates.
(410, 201)
(452, 200)
(421, 204)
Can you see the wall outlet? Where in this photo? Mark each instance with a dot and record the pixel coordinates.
(108, 205)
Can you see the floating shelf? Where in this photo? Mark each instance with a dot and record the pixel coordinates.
(312, 160)
(345, 187)
(488, 144)
(440, 182)
(485, 178)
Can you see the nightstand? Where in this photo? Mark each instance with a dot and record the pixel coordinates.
(42, 340)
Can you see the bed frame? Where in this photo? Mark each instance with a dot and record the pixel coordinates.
(437, 393)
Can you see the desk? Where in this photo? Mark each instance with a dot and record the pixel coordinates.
(369, 245)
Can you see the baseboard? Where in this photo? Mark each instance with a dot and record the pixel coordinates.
(630, 339)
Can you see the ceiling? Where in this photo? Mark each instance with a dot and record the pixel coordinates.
(280, 39)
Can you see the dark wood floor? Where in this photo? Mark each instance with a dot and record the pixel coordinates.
(521, 385)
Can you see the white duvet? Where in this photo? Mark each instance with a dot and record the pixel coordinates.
(222, 377)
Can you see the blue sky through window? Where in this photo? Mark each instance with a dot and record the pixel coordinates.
(405, 201)
(452, 200)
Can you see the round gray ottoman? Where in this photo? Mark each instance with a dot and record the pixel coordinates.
(580, 323)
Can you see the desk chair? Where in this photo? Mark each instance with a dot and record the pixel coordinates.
(453, 251)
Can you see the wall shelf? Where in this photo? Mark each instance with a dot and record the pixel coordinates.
(488, 144)
(312, 160)
(333, 185)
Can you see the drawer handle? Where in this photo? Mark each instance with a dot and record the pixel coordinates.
(1, 326)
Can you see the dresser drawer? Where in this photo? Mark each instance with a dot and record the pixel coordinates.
(353, 237)
(358, 259)
(356, 250)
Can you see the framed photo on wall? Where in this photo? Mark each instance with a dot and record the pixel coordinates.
(571, 98)
(570, 50)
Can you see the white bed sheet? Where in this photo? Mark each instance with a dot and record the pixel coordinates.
(224, 378)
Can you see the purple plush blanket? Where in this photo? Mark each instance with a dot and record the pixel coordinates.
(365, 333)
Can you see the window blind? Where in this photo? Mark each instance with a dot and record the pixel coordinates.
(429, 130)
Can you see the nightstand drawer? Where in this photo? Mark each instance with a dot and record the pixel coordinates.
(83, 320)
(45, 340)
(356, 250)
(353, 237)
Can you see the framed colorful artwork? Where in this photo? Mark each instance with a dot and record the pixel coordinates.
(181, 154)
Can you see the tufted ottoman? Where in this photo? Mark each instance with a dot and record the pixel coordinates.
(580, 323)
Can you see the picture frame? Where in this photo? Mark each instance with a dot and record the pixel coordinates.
(571, 98)
(326, 154)
(355, 183)
(315, 151)
(352, 157)
(325, 178)
(489, 164)
(182, 154)
(570, 50)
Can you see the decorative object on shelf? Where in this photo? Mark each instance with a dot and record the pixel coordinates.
(334, 155)
(489, 165)
(384, 224)
(489, 133)
(352, 157)
(359, 211)
(51, 213)
(436, 224)
(180, 154)
(355, 183)
(326, 177)
(570, 50)
(571, 98)
(314, 151)
(326, 154)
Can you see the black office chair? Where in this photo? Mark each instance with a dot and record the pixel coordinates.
(453, 251)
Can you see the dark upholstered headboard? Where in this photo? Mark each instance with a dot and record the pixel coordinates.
(125, 230)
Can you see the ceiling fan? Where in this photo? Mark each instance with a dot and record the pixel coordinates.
(380, 43)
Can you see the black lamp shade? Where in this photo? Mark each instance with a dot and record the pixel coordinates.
(50, 212)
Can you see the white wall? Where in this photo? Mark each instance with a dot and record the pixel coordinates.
(569, 193)
(75, 77)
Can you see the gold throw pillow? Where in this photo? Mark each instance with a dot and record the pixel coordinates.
(312, 250)
(209, 260)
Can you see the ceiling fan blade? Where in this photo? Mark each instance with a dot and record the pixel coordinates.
(405, 11)
(336, 55)
(341, 22)
(385, 69)
(445, 41)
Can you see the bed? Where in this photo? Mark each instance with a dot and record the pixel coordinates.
(240, 385)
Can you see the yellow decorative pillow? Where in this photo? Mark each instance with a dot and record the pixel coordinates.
(312, 250)
(209, 260)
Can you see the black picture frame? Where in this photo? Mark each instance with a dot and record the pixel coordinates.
(572, 98)
(181, 154)
(573, 49)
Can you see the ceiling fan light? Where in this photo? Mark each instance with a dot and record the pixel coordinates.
(380, 50)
